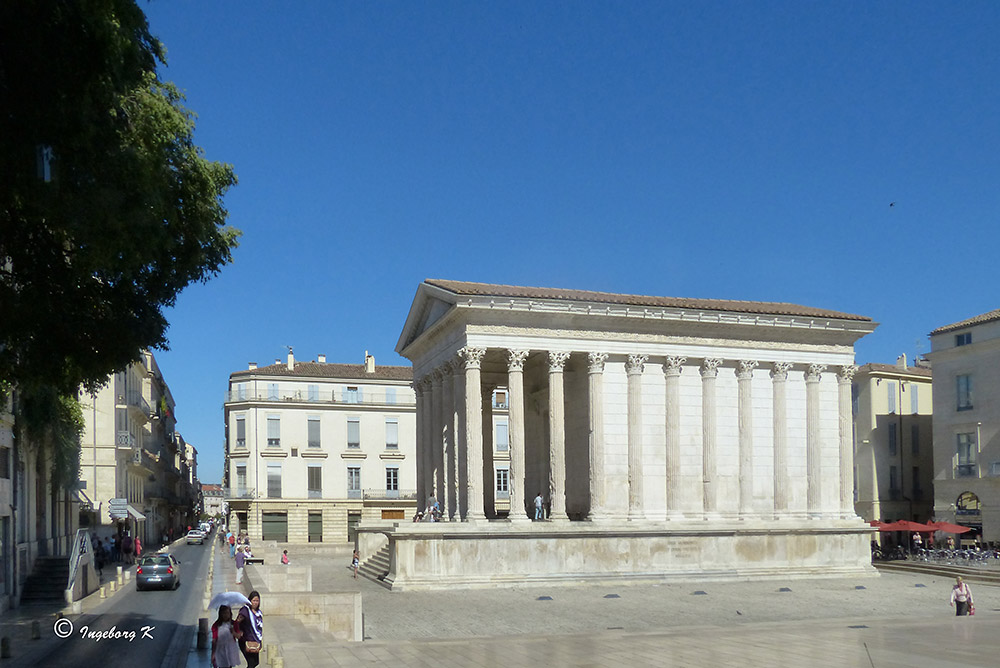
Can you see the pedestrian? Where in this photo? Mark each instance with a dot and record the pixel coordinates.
(232, 544)
(240, 561)
(539, 512)
(138, 547)
(918, 542)
(225, 640)
(251, 625)
(127, 549)
(961, 598)
(355, 562)
(284, 557)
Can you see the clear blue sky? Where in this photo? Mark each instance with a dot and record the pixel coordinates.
(735, 150)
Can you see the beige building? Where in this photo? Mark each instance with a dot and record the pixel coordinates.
(893, 442)
(966, 359)
(312, 448)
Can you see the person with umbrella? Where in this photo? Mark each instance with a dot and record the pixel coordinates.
(225, 638)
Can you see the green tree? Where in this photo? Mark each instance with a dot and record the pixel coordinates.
(107, 207)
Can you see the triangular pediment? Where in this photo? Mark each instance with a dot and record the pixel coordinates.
(429, 305)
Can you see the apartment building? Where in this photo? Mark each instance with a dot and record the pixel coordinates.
(313, 448)
(966, 359)
(893, 441)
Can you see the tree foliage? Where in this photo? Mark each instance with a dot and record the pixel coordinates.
(107, 207)
(51, 422)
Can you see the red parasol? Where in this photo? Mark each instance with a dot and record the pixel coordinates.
(948, 527)
(907, 525)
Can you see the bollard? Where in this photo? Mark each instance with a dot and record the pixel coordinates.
(4, 647)
(272, 652)
(104, 591)
(36, 630)
(119, 572)
(119, 579)
(279, 662)
(77, 607)
(111, 586)
(128, 575)
(202, 632)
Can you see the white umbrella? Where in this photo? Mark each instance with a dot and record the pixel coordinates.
(233, 599)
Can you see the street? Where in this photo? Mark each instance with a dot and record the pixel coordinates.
(136, 628)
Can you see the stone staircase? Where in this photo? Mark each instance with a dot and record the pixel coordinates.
(47, 582)
(988, 575)
(376, 567)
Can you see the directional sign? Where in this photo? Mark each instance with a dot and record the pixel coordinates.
(118, 508)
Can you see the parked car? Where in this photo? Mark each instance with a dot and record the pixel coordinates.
(159, 570)
(195, 536)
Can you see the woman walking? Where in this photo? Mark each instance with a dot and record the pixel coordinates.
(251, 628)
(225, 635)
(961, 598)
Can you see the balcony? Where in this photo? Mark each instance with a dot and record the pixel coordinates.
(394, 494)
(126, 440)
(354, 494)
(965, 471)
(137, 405)
(238, 493)
(327, 397)
(315, 494)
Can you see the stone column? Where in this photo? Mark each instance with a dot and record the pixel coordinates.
(421, 445)
(449, 502)
(474, 430)
(455, 467)
(814, 469)
(744, 375)
(557, 437)
(595, 413)
(709, 439)
(844, 381)
(515, 432)
(634, 367)
(779, 378)
(672, 370)
(437, 407)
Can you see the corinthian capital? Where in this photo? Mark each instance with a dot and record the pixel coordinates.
(636, 363)
(846, 372)
(515, 359)
(672, 366)
(814, 371)
(557, 360)
(779, 370)
(745, 369)
(597, 361)
(473, 356)
(710, 367)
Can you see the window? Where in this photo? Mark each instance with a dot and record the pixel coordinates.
(390, 395)
(891, 389)
(313, 392)
(966, 451)
(241, 480)
(995, 468)
(963, 339)
(5, 463)
(392, 479)
(915, 439)
(916, 478)
(392, 433)
(964, 388)
(503, 483)
(893, 482)
(914, 398)
(353, 482)
(273, 431)
(500, 438)
(354, 432)
(272, 391)
(274, 526)
(315, 482)
(352, 395)
(241, 431)
(313, 432)
(855, 396)
(315, 526)
(892, 439)
(274, 481)
(500, 399)
(241, 391)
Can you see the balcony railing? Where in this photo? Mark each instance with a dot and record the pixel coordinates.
(965, 471)
(126, 440)
(404, 494)
(354, 494)
(315, 494)
(327, 397)
(238, 493)
(135, 400)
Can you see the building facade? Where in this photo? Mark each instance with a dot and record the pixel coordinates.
(130, 449)
(894, 461)
(693, 435)
(213, 500)
(313, 448)
(966, 359)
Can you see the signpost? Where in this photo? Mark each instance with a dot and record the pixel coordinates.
(118, 509)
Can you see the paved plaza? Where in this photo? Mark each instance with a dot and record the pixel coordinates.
(885, 621)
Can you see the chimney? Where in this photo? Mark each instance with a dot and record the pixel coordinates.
(322, 359)
(252, 365)
(277, 360)
(901, 361)
(369, 363)
(291, 359)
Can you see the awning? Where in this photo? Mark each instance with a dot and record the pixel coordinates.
(136, 515)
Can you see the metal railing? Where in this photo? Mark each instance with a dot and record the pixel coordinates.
(230, 493)
(377, 494)
(80, 555)
(327, 397)
(126, 440)
(965, 471)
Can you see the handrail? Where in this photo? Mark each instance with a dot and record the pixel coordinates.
(326, 397)
(82, 554)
